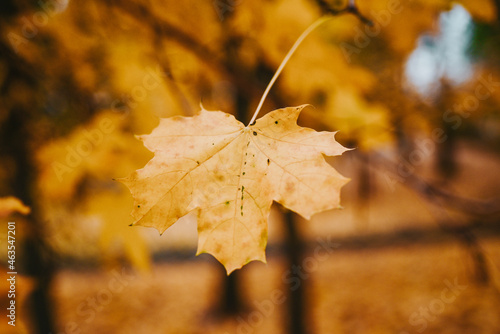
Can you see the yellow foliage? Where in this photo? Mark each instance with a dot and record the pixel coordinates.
(116, 237)
(481, 10)
(92, 150)
(366, 124)
(10, 204)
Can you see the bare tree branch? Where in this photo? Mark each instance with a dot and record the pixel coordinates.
(470, 206)
(351, 8)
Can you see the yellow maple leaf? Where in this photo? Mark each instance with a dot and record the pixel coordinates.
(231, 174)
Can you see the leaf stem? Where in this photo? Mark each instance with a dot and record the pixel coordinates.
(299, 40)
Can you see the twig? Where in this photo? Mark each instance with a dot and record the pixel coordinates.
(143, 14)
(350, 8)
(470, 206)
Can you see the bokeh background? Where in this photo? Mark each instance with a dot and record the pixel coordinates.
(413, 86)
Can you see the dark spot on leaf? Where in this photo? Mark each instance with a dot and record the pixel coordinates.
(227, 202)
(198, 162)
(268, 162)
(218, 248)
(243, 173)
(242, 213)
(255, 133)
(275, 122)
(245, 162)
(138, 206)
(289, 187)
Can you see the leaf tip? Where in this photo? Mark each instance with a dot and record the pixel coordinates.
(141, 137)
(303, 106)
(120, 179)
(346, 149)
(230, 271)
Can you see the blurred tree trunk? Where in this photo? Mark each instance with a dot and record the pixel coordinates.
(481, 272)
(36, 261)
(15, 149)
(447, 167)
(446, 151)
(231, 303)
(365, 190)
(296, 301)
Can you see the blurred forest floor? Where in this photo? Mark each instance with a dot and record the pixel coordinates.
(357, 291)
(384, 268)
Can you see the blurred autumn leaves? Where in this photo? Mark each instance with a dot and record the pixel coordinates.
(80, 78)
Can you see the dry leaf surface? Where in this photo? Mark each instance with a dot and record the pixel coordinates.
(232, 174)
